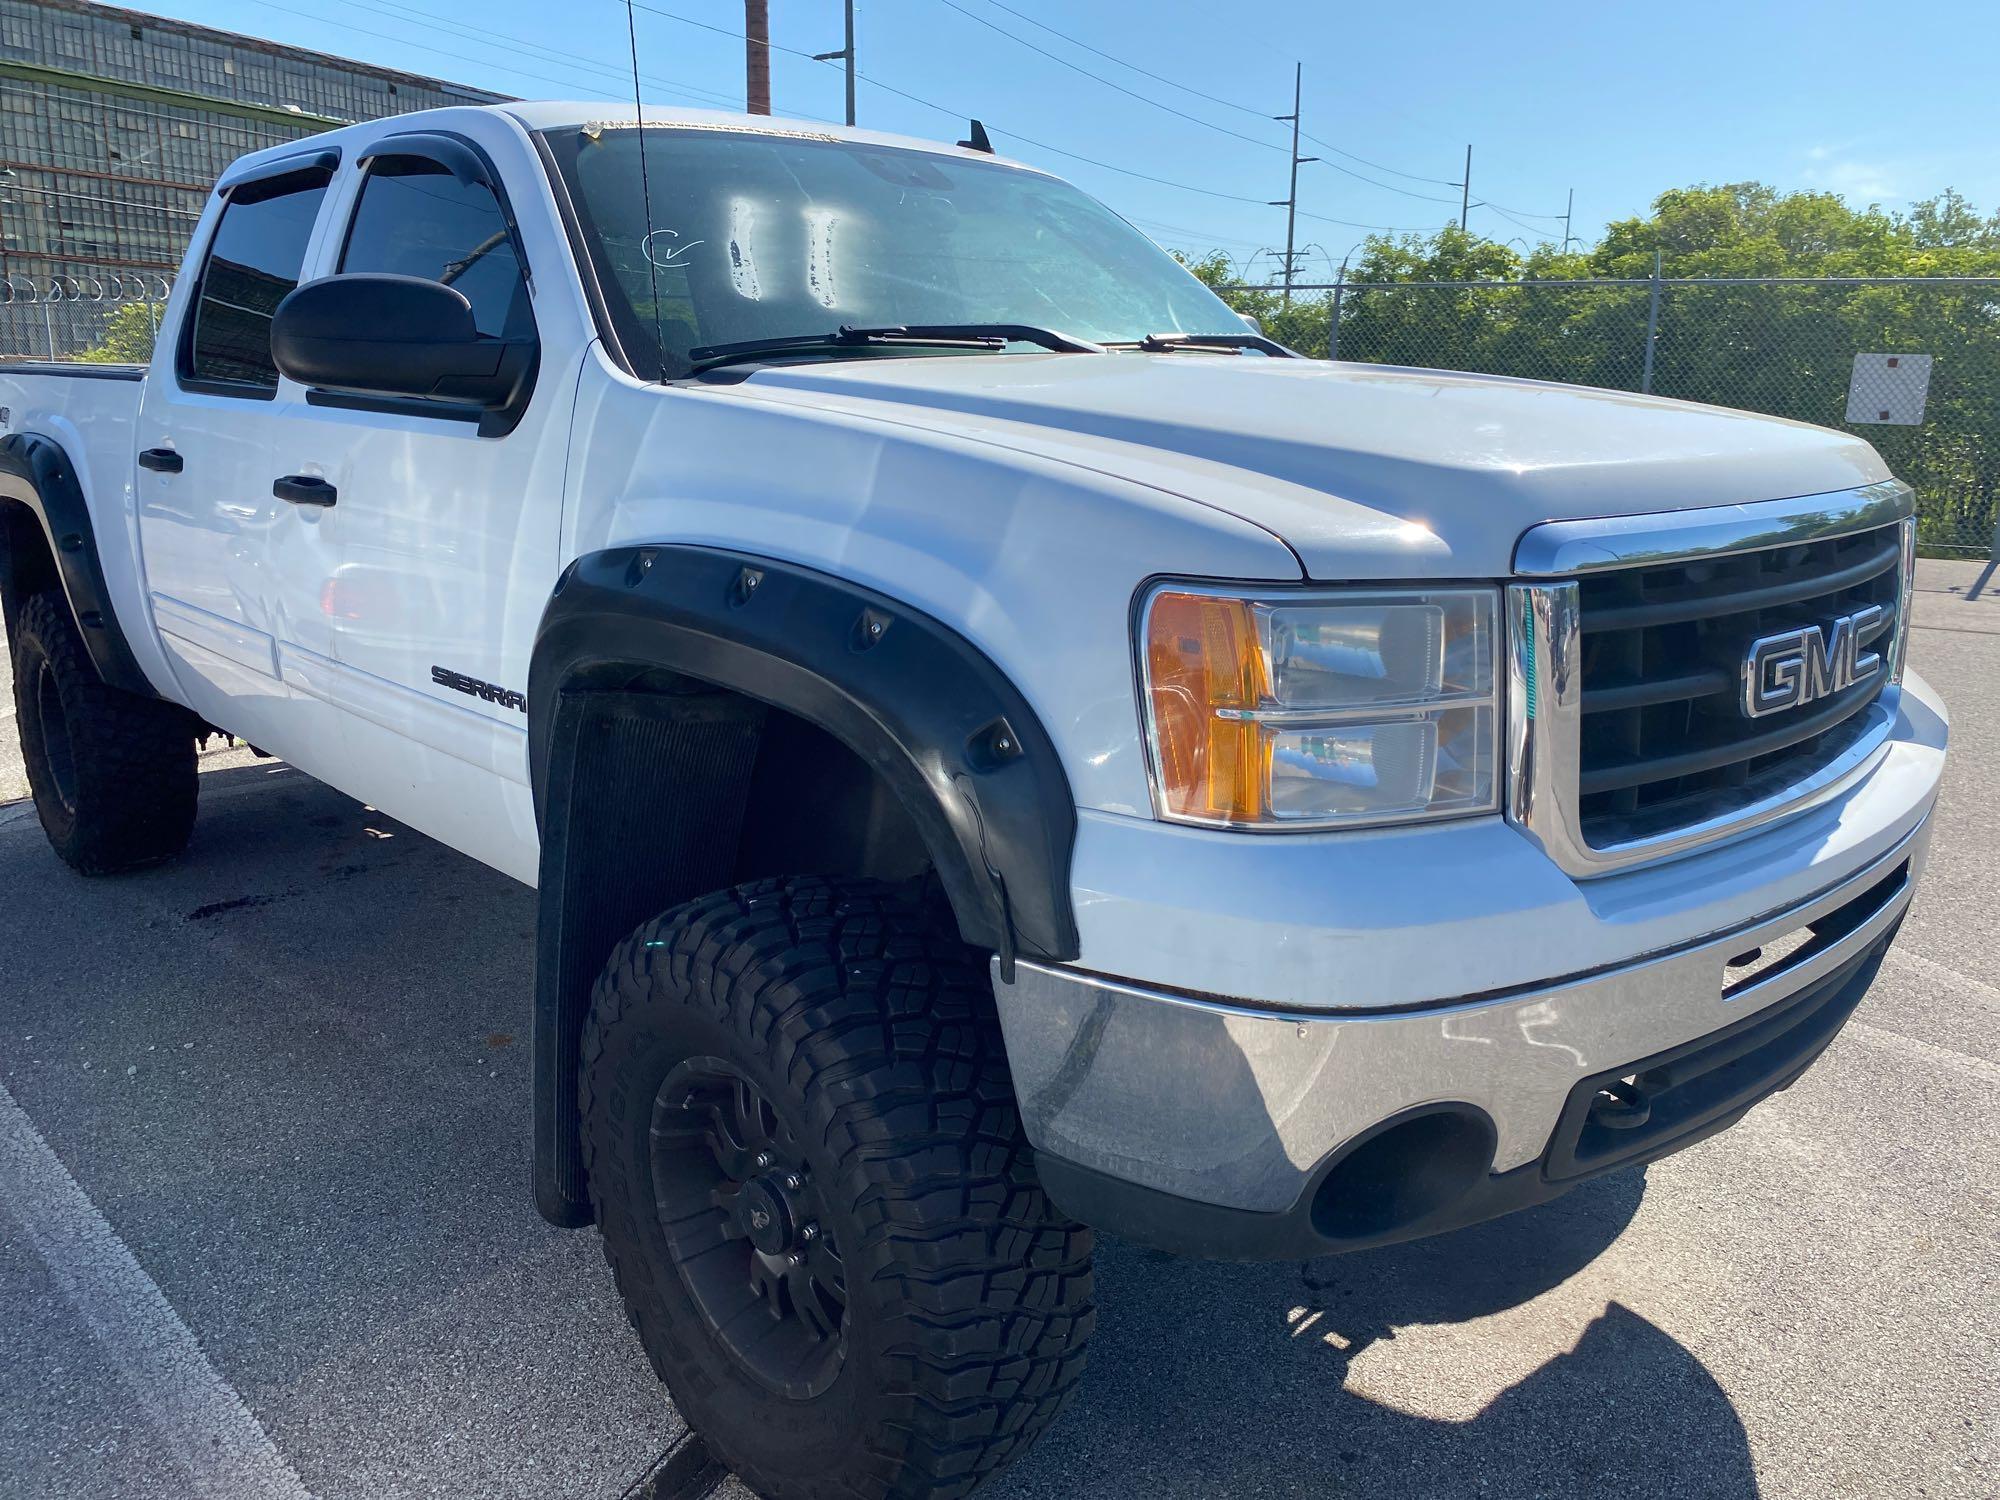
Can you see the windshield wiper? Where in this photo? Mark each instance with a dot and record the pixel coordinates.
(928, 335)
(1163, 343)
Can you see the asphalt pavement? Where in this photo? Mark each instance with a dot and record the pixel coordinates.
(265, 1226)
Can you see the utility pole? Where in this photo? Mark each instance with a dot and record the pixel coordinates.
(1568, 209)
(1465, 191)
(1291, 204)
(845, 54)
(757, 56)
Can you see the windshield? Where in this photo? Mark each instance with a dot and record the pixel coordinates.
(761, 236)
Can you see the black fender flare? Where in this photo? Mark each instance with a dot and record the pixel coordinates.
(952, 736)
(56, 500)
(630, 649)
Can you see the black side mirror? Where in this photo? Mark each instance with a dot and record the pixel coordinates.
(378, 335)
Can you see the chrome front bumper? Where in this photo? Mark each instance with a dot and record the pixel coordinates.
(1226, 1105)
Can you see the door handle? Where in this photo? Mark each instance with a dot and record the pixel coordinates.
(161, 460)
(304, 489)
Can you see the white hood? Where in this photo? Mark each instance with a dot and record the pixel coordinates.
(1365, 470)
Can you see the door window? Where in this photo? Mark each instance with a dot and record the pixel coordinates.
(416, 219)
(252, 262)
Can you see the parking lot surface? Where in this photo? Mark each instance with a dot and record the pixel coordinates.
(265, 1225)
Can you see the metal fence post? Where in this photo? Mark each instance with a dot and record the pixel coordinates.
(1652, 327)
(1333, 323)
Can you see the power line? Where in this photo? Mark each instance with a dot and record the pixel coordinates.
(1379, 167)
(1378, 228)
(1108, 83)
(1134, 67)
(403, 41)
(1198, 234)
(1389, 187)
(1517, 223)
(396, 11)
(1526, 213)
(1241, 108)
(957, 114)
(595, 91)
(1039, 145)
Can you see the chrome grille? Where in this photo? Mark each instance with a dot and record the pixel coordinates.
(1665, 740)
(1630, 735)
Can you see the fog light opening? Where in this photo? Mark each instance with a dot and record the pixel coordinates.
(1404, 1171)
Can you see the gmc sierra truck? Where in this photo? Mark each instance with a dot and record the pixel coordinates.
(1002, 747)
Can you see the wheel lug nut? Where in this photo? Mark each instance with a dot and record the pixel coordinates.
(764, 1160)
(793, 1182)
(809, 1233)
(795, 1260)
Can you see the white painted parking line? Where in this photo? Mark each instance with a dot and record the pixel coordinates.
(195, 1412)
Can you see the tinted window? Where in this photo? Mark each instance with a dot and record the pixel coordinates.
(765, 236)
(252, 263)
(416, 219)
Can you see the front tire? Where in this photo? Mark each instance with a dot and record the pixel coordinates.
(113, 774)
(813, 1188)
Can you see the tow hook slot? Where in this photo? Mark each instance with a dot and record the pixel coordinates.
(1624, 1104)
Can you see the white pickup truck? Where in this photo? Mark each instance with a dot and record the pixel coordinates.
(1001, 746)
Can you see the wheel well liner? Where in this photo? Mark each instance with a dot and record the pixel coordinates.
(631, 652)
(48, 488)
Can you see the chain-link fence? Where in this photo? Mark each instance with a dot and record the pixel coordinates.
(109, 317)
(1913, 365)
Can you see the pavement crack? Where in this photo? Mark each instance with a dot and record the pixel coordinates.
(239, 903)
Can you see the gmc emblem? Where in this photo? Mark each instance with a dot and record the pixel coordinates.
(1799, 666)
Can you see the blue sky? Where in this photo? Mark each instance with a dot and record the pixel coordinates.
(1616, 100)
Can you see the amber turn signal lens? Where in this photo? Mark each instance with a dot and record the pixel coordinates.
(1203, 661)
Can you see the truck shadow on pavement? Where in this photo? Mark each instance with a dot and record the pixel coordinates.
(1256, 1380)
(331, 1189)
(1285, 1379)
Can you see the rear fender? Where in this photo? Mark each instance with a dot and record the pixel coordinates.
(36, 475)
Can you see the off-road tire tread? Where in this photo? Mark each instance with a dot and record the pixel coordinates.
(136, 777)
(883, 1023)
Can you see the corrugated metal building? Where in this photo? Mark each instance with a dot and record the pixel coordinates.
(114, 124)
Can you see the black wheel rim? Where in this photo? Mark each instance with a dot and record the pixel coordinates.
(744, 1225)
(52, 728)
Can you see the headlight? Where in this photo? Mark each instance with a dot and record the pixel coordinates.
(1320, 710)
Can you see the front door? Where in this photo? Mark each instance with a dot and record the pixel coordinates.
(410, 607)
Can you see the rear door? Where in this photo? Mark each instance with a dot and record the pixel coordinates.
(410, 607)
(206, 420)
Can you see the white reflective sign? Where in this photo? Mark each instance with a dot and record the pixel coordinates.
(1889, 388)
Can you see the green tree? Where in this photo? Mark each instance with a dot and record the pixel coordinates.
(128, 336)
(1787, 350)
